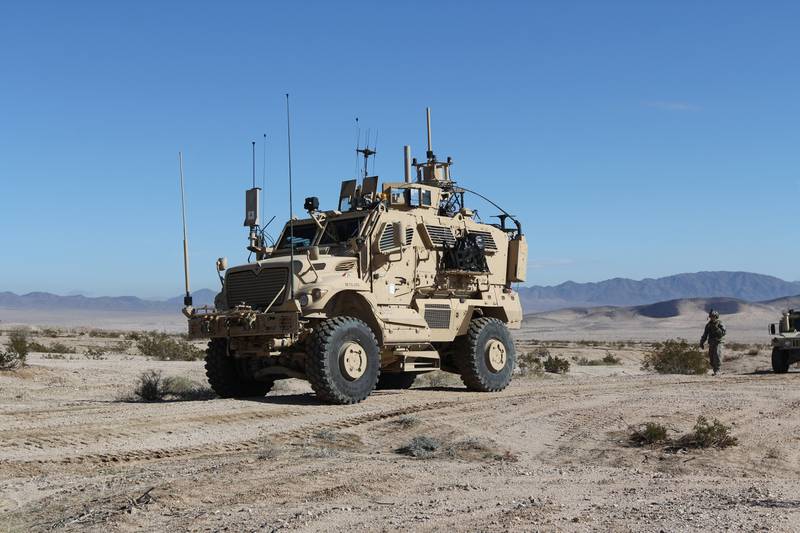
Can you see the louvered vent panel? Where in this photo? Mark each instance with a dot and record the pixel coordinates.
(437, 316)
(256, 290)
(488, 240)
(386, 241)
(387, 238)
(344, 267)
(440, 235)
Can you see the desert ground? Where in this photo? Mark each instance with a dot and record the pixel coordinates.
(550, 453)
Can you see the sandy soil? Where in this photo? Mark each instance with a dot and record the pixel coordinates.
(550, 453)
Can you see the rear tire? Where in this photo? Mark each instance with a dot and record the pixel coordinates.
(344, 362)
(486, 356)
(400, 381)
(780, 363)
(225, 374)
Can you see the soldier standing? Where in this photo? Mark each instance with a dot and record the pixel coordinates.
(713, 333)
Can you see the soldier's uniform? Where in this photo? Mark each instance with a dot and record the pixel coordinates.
(713, 333)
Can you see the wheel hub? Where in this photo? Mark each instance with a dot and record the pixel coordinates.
(495, 355)
(353, 360)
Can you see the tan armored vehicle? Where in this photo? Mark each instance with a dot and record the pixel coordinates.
(391, 283)
(786, 341)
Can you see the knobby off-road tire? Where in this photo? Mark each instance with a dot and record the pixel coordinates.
(486, 355)
(344, 362)
(780, 363)
(401, 381)
(225, 374)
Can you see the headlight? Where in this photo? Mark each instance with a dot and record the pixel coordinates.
(317, 293)
(304, 299)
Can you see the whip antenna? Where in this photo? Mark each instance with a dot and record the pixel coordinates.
(254, 163)
(187, 299)
(291, 219)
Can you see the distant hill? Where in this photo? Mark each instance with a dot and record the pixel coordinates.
(627, 292)
(53, 302)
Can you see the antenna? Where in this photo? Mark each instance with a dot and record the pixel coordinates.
(291, 220)
(264, 170)
(187, 300)
(254, 163)
(430, 146)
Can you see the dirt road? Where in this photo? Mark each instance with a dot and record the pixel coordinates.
(547, 454)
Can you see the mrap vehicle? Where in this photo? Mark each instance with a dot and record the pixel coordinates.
(394, 282)
(786, 341)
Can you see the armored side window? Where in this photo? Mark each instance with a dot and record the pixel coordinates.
(397, 196)
(413, 197)
(303, 236)
(426, 198)
(340, 231)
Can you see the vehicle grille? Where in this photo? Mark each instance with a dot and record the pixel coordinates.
(256, 289)
(437, 316)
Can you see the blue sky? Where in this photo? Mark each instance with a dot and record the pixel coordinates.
(633, 139)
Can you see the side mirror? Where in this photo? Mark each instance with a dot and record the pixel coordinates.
(772, 329)
(222, 264)
(313, 253)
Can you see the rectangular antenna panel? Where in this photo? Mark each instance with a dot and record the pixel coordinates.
(347, 193)
(252, 210)
(517, 259)
(369, 187)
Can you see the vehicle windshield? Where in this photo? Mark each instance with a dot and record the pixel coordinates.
(340, 230)
(303, 236)
(794, 322)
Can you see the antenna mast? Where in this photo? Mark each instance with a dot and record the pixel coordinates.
(291, 219)
(187, 299)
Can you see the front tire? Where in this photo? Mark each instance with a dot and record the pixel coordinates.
(227, 376)
(401, 381)
(780, 363)
(486, 356)
(344, 361)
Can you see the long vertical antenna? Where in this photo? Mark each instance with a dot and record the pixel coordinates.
(187, 300)
(428, 120)
(254, 163)
(264, 171)
(291, 220)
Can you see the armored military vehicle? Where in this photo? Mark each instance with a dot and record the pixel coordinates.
(391, 283)
(785, 341)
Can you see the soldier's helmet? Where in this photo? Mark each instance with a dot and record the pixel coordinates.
(713, 314)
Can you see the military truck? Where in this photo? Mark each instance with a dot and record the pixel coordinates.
(389, 284)
(785, 341)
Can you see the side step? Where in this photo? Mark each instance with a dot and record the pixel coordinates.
(412, 360)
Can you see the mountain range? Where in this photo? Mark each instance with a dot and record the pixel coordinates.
(627, 292)
(619, 292)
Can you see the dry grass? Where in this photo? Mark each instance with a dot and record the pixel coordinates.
(151, 386)
(167, 348)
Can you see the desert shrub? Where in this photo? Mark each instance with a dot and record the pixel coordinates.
(166, 348)
(675, 357)
(648, 434)
(10, 360)
(610, 359)
(60, 347)
(133, 335)
(18, 343)
(707, 434)
(556, 365)
(185, 389)
(121, 346)
(732, 356)
(529, 364)
(421, 447)
(406, 422)
(95, 352)
(151, 386)
(737, 346)
(753, 351)
(38, 347)
(541, 352)
(49, 332)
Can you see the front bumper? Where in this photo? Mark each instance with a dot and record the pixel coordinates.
(244, 323)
